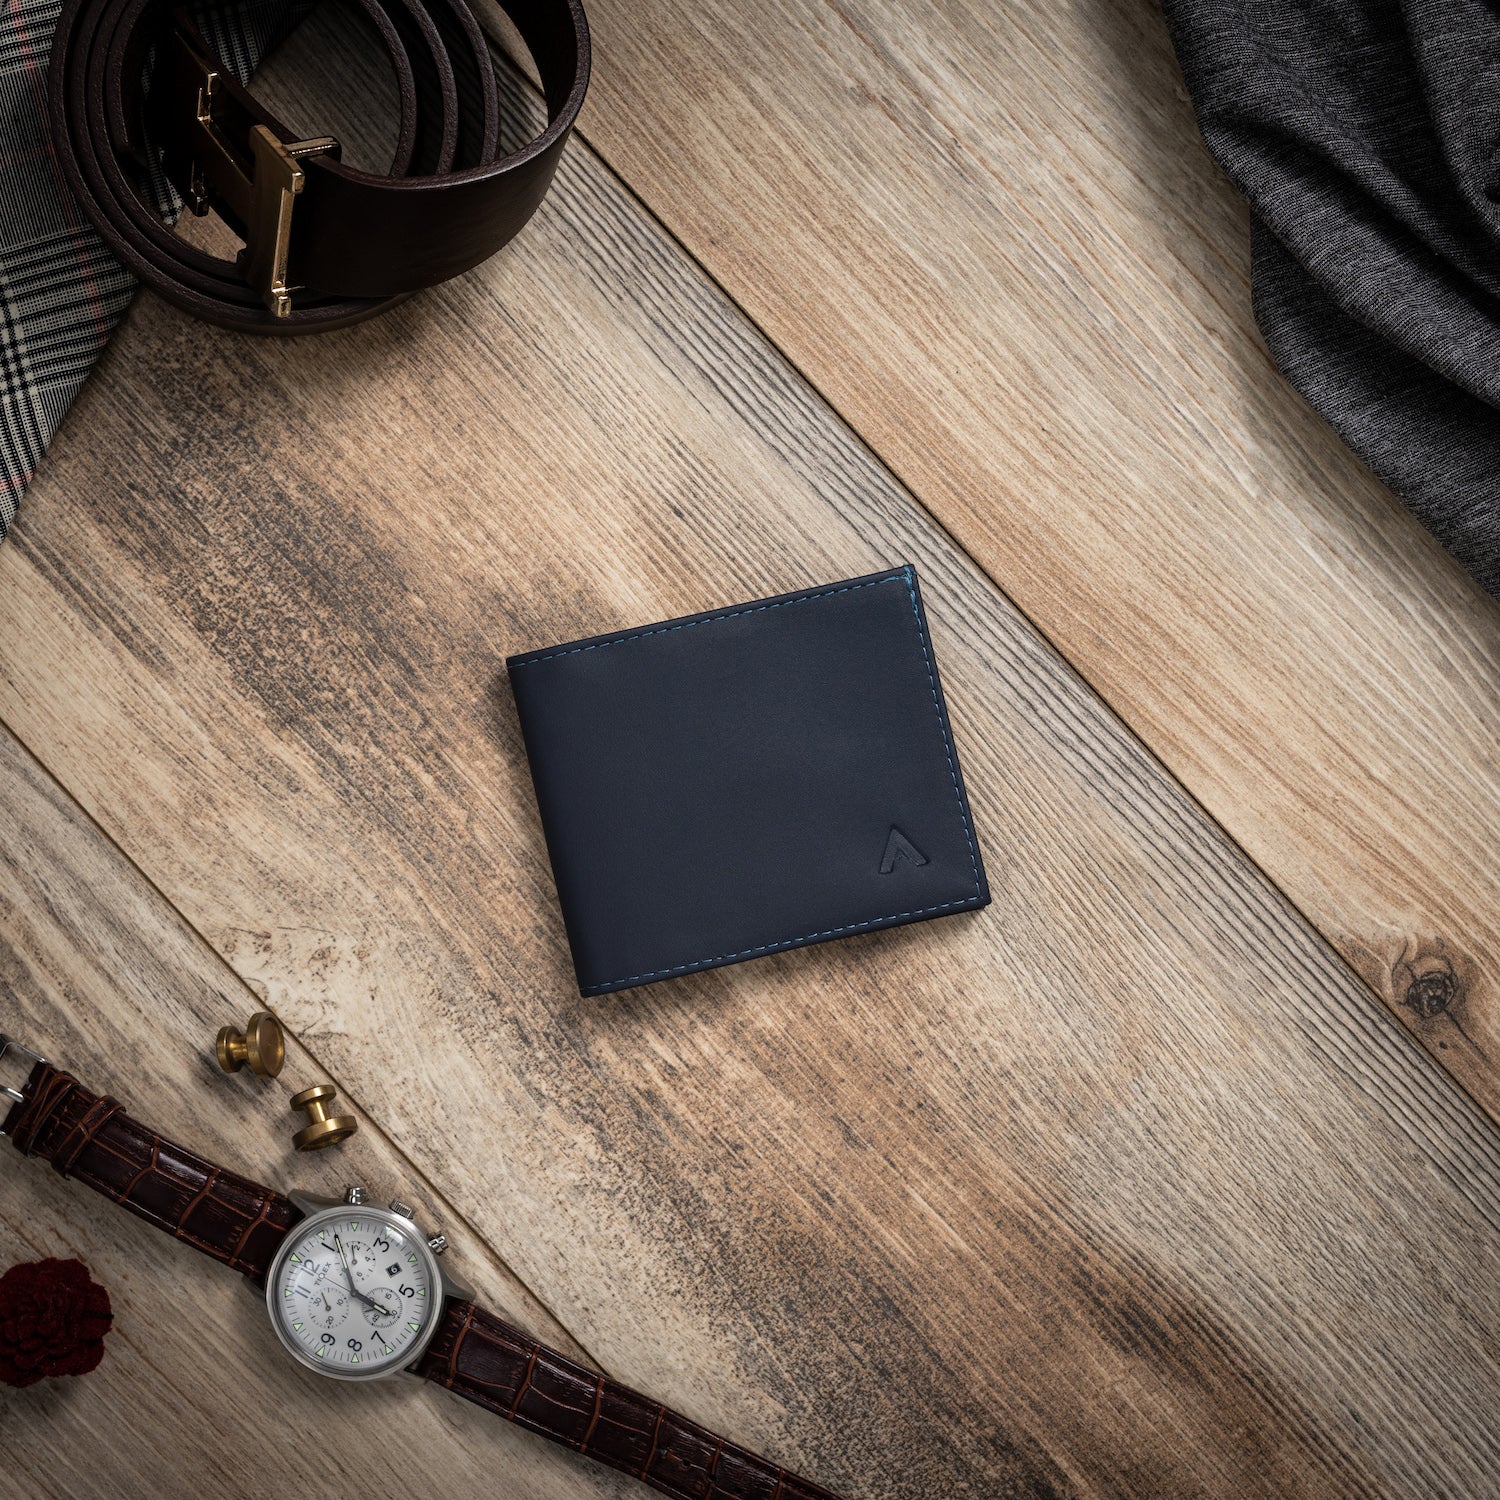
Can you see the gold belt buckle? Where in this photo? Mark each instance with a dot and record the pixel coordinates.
(260, 190)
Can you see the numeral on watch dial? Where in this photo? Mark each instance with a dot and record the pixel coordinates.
(352, 1293)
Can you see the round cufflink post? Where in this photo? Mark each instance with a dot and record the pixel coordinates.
(261, 1044)
(322, 1129)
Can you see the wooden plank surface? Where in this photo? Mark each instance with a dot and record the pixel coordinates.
(1124, 1186)
(193, 1397)
(990, 236)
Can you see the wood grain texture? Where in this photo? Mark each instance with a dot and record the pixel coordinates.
(991, 237)
(1122, 1187)
(95, 961)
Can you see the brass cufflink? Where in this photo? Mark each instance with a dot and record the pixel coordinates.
(324, 1129)
(261, 1044)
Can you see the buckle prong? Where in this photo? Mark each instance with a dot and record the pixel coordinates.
(10, 1044)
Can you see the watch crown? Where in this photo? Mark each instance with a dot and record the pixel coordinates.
(398, 1207)
(355, 1195)
(438, 1243)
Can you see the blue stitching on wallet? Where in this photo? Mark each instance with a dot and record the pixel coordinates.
(730, 614)
(905, 576)
(808, 937)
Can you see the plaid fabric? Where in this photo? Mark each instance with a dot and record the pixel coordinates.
(61, 292)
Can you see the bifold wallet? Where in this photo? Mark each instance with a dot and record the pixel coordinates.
(752, 779)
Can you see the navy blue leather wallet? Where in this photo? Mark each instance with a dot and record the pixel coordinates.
(747, 780)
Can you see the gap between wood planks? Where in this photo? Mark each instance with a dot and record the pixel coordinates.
(911, 1202)
(511, 56)
(234, 980)
(996, 237)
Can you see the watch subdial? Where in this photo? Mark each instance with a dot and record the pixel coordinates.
(383, 1308)
(328, 1308)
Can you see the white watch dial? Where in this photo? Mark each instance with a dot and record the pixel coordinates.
(354, 1293)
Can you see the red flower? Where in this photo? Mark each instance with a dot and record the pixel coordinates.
(53, 1318)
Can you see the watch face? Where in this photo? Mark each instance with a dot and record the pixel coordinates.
(354, 1293)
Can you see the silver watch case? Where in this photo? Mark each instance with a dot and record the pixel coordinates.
(314, 1206)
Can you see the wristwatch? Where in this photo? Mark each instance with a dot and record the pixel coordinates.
(356, 1291)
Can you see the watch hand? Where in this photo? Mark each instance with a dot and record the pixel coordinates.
(349, 1274)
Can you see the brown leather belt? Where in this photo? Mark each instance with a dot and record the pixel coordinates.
(326, 245)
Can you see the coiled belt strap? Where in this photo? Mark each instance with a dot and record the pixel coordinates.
(326, 245)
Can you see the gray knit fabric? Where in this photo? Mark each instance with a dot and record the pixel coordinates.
(1367, 139)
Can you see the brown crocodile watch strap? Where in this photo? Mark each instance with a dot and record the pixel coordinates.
(488, 1361)
(90, 1137)
(481, 1357)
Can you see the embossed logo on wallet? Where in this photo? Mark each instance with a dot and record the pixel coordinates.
(897, 847)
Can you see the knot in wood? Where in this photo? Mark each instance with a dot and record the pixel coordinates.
(1430, 994)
